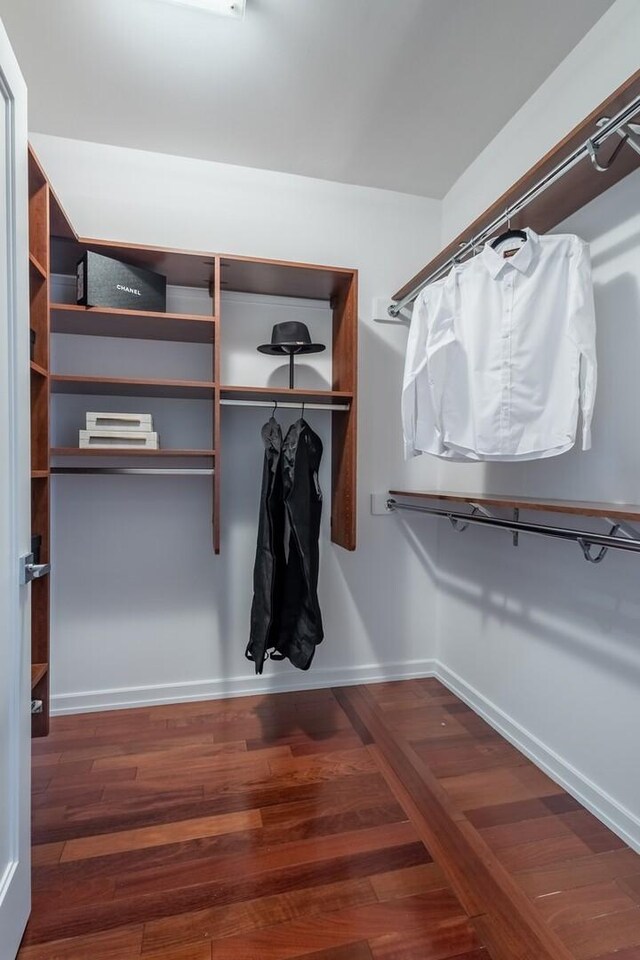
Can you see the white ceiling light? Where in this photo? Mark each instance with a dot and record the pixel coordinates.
(222, 8)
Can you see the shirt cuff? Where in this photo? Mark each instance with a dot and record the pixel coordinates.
(586, 436)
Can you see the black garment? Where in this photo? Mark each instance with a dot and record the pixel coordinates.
(269, 567)
(300, 629)
(285, 615)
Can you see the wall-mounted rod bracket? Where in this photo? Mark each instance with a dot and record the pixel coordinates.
(602, 552)
(593, 148)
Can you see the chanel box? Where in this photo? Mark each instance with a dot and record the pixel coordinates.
(105, 282)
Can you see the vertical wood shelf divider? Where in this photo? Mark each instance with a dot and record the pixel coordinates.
(40, 443)
(216, 403)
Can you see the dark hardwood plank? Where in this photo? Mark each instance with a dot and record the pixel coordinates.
(352, 951)
(119, 944)
(584, 903)
(244, 916)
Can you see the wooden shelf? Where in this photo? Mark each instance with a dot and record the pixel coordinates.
(39, 474)
(279, 278)
(38, 671)
(121, 386)
(297, 395)
(180, 267)
(35, 264)
(138, 324)
(583, 508)
(36, 368)
(568, 194)
(113, 452)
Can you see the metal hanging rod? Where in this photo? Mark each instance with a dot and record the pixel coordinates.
(628, 541)
(589, 149)
(136, 471)
(285, 404)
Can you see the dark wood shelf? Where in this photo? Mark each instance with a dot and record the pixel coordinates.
(138, 324)
(278, 278)
(39, 474)
(583, 508)
(36, 368)
(35, 264)
(126, 452)
(38, 671)
(180, 267)
(568, 194)
(297, 395)
(125, 387)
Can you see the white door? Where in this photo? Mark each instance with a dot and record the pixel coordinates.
(15, 495)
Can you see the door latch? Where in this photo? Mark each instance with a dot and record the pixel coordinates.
(32, 571)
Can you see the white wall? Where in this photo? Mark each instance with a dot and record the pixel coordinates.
(547, 645)
(142, 610)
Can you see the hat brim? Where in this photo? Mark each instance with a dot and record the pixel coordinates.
(284, 349)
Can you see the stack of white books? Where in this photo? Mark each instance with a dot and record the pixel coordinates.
(125, 431)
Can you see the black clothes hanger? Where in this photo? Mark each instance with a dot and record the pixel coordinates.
(508, 234)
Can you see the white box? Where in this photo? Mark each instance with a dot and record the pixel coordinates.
(119, 439)
(119, 421)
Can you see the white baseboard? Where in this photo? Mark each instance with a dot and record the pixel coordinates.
(122, 698)
(622, 821)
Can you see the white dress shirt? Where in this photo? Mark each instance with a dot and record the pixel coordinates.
(425, 366)
(501, 355)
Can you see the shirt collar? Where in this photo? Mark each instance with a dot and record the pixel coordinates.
(495, 262)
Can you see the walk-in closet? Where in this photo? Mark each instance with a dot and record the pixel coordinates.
(319, 497)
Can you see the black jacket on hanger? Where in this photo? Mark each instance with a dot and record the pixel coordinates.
(285, 614)
(269, 567)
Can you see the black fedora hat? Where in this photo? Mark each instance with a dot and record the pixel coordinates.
(291, 337)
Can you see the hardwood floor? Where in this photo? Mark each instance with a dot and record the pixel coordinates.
(385, 822)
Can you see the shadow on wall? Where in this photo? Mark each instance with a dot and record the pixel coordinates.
(522, 589)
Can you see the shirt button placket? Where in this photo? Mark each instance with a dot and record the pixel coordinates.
(505, 412)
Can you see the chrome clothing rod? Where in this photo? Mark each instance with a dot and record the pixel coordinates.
(285, 404)
(135, 471)
(584, 538)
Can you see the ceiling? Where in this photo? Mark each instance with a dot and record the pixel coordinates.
(400, 94)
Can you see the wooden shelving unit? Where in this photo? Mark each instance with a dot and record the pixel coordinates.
(55, 249)
(40, 480)
(583, 508)
(217, 273)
